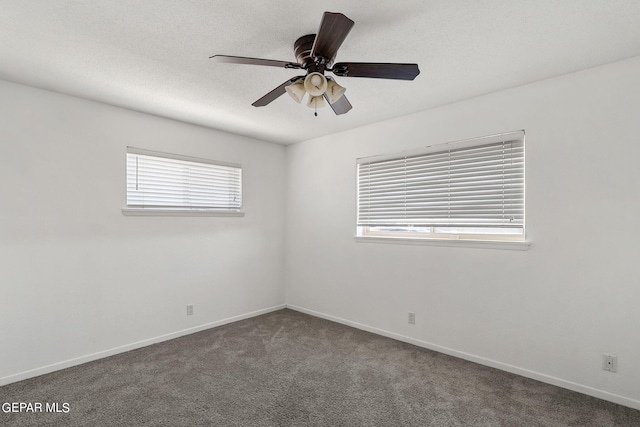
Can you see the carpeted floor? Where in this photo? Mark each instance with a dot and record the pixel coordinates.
(290, 369)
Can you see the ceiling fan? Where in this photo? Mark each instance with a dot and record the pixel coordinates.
(315, 54)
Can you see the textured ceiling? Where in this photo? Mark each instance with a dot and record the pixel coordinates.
(152, 55)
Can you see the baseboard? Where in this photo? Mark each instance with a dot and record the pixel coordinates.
(128, 347)
(580, 388)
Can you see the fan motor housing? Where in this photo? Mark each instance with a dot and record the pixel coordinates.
(302, 49)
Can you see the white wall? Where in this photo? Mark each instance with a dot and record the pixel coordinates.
(549, 312)
(78, 279)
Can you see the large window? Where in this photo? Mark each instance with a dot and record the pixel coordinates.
(169, 183)
(471, 189)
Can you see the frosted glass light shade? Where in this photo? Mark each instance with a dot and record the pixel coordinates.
(334, 91)
(315, 84)
(316, 102)
(296, 90)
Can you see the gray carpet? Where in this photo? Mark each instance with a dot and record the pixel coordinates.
(290, 369)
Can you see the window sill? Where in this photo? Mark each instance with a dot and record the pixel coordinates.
(464, 243)
(178, 212)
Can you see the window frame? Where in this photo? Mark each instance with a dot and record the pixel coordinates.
(130, 210)
(440, 235)
(367, 233)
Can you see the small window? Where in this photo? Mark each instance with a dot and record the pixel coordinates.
(161, 183)
(471, 189)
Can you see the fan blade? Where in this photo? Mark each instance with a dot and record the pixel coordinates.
(376, 70)
(334, 28)
(341, 106)
(275, 93)
(254, 61)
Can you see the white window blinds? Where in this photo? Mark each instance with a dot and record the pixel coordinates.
(477, 183)
(166, 181)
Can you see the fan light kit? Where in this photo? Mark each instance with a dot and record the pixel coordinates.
(315, 54)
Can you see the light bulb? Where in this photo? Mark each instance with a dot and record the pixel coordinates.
(296, 90)
(315, 84)
(316, 102)
(334, 91)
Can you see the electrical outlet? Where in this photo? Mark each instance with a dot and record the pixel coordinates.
(412, 318)
(190, 310)
(610, 363)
